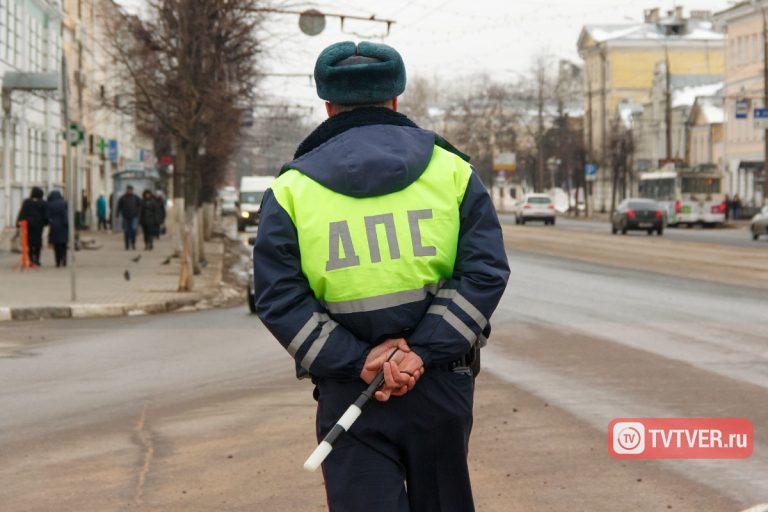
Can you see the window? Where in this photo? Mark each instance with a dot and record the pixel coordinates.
(16, 57)
(700, 185)
(3, 35)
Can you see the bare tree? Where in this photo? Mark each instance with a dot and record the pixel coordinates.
(482, 121)
(192, 67)
(621, 147)
(420, 95)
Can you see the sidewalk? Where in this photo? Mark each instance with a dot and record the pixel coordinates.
(102, 287)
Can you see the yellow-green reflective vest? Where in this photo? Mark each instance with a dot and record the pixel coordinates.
(394, 246)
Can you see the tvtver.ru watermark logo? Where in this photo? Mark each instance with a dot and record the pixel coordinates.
(680, 438)
(628, 437)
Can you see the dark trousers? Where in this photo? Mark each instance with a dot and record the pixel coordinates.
(129, 232)
(405, 455)
(35, 241)
(102, 223)
(60, 253)
(149, 235)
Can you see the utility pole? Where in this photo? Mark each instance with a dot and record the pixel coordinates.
(603, 121)
(590, 154)
(71, 185)
(668, 103)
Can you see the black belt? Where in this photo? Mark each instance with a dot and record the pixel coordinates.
(461, 362)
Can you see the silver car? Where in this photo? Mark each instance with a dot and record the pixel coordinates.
(759, 225)
(535, 207)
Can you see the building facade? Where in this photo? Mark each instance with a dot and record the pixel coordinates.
(621, 62)
(30, 41)
(706, 132)
(36, 36)
(744, 92)
(116, 143)
(662, 126)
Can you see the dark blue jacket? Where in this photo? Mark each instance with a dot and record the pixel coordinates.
(392, 153)
(56, 213)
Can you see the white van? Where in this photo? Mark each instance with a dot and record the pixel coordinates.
(252, 189)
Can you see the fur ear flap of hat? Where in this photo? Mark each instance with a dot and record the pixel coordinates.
(377, 78)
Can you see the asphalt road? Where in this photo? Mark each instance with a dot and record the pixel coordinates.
(740, 237)
(199, 411)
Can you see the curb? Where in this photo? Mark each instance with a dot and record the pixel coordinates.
(97, 310)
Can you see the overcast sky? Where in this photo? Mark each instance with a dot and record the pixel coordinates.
(448, 39)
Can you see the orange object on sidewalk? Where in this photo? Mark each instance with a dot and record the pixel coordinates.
(25, 262)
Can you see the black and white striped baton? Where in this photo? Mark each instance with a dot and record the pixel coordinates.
(345, 422)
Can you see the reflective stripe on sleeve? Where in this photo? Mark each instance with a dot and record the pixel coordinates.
(460, 326)
(453, 321)
(305, 332)
(466, 306)
(318, 344)
(470, 310)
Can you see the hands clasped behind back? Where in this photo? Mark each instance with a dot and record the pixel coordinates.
(402, 368)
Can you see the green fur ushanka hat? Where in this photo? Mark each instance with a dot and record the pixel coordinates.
(350, 74)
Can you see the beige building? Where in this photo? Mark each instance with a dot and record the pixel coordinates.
(744, 91)
(672, 98)
(620, 63)
(99, 102)
(76, 36)
(706, 132)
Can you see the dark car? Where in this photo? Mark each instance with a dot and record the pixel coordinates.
(638, 215)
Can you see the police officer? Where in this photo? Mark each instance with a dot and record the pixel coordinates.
(379, 249)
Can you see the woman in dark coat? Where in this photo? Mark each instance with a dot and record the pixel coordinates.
(58, 234)
(149, 218)
(33, 211)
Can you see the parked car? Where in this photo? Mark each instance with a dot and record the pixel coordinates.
(535, 207)
(638, 215)
(759, 224)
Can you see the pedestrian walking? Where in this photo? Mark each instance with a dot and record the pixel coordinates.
(728, 206)
(149, 218)
(58, 232)
(736, 207)
(82, 215)
(101, 212)
(129, 208)
(379, 250)
(111, 208)
(33, 211)
(161, 206)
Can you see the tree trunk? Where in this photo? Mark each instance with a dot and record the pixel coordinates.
(208, 218)
(200, 235)
(186, 280)
(179, 203)
(614, 187)
(193, 227)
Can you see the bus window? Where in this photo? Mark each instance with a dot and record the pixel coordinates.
(701, 185)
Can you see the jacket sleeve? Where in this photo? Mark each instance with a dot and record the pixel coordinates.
(288, 308)
(460, 312)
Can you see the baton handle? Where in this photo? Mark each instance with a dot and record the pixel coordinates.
(343, 425)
